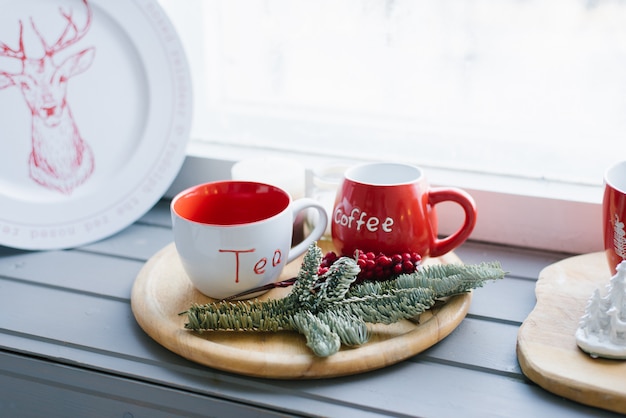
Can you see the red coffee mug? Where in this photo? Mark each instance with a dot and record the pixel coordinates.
(390, 208)
(614, 215)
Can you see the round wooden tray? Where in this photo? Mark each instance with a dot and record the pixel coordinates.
(546, 344)
(162, 290)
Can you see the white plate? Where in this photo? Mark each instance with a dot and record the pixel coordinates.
(130, 99)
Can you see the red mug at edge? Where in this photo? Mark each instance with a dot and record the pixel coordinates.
(614, 215)
(390, 208)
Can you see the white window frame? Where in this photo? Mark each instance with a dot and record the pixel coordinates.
(517, 212)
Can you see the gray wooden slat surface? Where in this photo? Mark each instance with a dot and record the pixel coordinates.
(70, 392)
(84, 272)
(65, 316)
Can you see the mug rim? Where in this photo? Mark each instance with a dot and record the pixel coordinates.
(613, 179)
(191, 189)
(411, 174)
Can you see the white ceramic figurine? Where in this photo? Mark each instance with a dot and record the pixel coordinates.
(602, 329)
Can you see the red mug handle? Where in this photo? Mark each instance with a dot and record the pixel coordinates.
(452, 241)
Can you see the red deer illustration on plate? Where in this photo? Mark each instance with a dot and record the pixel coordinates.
(60, 159)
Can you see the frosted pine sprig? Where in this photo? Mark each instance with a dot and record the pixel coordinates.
(330, 311)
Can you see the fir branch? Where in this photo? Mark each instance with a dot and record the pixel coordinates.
(390, 307)
(330, 310)
(319, 337)
(443, 280)
(451, 279)
(337, 281)
(239, 316)
(305, 287)
(351, 329)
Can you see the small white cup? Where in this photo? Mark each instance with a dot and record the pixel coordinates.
(233, 236)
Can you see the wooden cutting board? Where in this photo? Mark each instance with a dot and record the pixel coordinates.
(162, 290)
(546, 343)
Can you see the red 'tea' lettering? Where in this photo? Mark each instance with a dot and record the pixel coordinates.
(237, 260)
(260, 266)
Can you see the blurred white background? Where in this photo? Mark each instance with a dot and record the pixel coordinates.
(530, 89)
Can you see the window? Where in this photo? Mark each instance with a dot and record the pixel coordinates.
(505, 92)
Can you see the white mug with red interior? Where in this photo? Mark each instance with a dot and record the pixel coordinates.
(233, 236)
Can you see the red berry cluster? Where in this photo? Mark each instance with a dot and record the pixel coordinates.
(377, 267)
